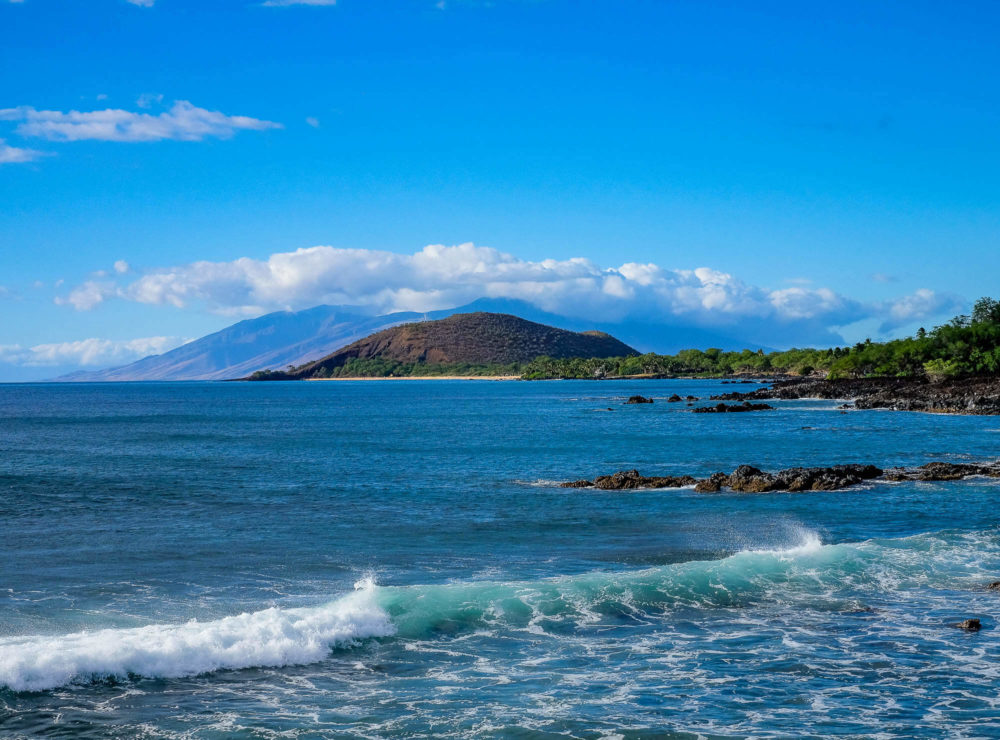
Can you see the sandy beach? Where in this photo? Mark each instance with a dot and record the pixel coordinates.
(428, 377)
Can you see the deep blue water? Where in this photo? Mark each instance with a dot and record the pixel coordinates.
(392, 559)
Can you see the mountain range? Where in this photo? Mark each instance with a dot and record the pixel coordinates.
(276, 340)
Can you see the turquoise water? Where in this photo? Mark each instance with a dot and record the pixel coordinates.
(392, 559)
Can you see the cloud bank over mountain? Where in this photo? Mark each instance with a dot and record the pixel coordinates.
(439, 276)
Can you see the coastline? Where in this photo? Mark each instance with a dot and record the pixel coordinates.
(960, 396)
(422, 377)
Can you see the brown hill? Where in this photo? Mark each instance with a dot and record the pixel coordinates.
(473, 338)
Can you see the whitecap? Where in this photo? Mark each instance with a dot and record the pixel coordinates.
(272, 637)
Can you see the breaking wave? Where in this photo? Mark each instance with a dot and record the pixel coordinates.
(807, 575)
(272, 637)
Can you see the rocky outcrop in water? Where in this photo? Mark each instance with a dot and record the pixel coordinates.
(712, 483)
(962, 396)
(969, 625)
(638, 399)
(722, 408)
(625, 480)
(942, 471)
(751, 480)
(748, 479)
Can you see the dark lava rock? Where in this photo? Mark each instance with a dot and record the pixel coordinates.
(638, 399)
(723, 408)
(674, 399)
(995, 586)
(823, 479)
(969, 625)
(960, 395)
(692, 398)
(938, 471)
(748, 479)
(734, 396)
(712, 483)
(625, 480)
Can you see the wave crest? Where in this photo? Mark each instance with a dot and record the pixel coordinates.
(272, 637)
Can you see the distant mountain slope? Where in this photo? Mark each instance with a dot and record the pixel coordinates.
(475, 338)
(275, 341)
(655, 334)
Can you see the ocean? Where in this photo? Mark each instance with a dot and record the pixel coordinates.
(395, 559)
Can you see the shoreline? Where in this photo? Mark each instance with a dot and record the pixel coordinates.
(978, 396)
(420, 377)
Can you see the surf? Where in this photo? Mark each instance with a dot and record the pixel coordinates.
(806, 574)
(271, 637)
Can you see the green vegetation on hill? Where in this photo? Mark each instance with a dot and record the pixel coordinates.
(459, 344)
(965, 346)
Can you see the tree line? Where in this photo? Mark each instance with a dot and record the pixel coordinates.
(965, 346)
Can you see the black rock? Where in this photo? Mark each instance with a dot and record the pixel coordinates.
(638, 399)
(712, 483)
(975, 395)
(625, 480)
(748, 479)
(969, 625)
(577, 484)
(824, 479)
(939, 471)
(722, 408)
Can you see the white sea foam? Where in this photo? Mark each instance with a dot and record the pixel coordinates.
(272, 637)
(809, 544)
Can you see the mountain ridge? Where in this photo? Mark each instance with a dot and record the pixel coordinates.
(278, 339)
(477, 338)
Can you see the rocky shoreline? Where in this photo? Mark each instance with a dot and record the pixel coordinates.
(959, 396)
(721, 408)
(748, 479)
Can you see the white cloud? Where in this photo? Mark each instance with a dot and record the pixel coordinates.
(87, 352)
(314, 122)
(142, 3)
(121, 267)
(13, 155)
(148, 100)
(89, 295)
(439, 276)
(881, 277)
(183, 122)
(920, 305)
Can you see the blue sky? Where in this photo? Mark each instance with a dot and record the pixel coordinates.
(781, 169)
